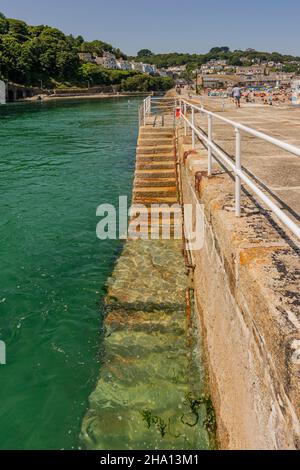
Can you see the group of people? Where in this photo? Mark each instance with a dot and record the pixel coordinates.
(269, 97)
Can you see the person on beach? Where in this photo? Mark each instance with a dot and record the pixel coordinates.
(236, 95)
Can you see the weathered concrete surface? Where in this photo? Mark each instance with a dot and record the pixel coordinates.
(247, 280)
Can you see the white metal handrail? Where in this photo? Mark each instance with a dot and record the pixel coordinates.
(155, 105)
(144, 110)
(235, 166)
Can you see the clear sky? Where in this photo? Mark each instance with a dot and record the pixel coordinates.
(168, 26)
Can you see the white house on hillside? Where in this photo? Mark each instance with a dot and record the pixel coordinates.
(123, 65)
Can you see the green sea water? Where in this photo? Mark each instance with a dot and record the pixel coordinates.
(58, 162)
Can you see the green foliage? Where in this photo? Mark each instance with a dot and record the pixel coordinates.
(235, 60)
(29, 54)
(144, 53)
(98, 47)
(97, 75)
(2, 16)
(145, 83)
(218, 53)
(172, 59)
(291, 68)
(3, 26)
(218, 50)
(18, 29)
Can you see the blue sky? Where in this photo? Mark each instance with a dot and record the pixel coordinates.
(166, 26)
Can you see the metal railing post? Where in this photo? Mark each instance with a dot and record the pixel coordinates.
(144, 112)
(184, 110)
(193, 131)
(237, 168)
(209, 133)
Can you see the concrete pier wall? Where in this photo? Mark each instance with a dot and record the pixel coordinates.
(16, 92)
(246, 283)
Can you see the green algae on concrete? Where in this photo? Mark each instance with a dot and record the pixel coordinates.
(149, 375)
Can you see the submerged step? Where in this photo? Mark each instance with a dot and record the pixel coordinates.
(146, 200)
(143, 396)
(169, 215)
(158, 210)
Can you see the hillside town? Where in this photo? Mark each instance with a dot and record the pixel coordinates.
(266, 80)
(109, 61)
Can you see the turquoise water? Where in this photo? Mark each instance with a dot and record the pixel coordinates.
(58, 162)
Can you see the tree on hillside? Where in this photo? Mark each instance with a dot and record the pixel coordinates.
(98, 47)
(144, 53)
(3, 26)
(2, 16)
(145, 83)
(93, 74)
(235, 60)
(18, 28)
(217, 50)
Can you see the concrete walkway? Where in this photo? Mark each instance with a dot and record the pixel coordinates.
(276, 170)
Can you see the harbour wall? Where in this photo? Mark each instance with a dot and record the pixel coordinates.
(246, 284)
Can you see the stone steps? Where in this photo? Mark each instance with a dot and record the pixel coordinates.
(158, 210)
(153, 173)
(155, 200)
(158, 149)
(157, 165)
(147, 360)
(156, 130)
(154, 135)
(155, 157)
(154, 182)
(158, 232)
(154, 216)
(157, 191)
(154, 141)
